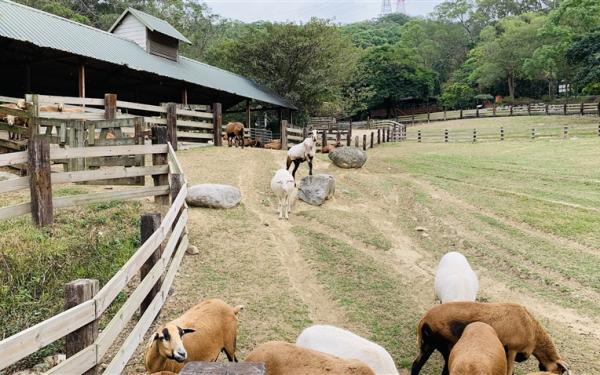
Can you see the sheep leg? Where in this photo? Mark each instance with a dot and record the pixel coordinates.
(286, 206)
(510, 362)
(424, 354)
(280, 207)
(296, 165)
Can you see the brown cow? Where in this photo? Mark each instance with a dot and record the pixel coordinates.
(235, 134)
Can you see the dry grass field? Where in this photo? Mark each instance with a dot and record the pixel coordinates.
(525, 213)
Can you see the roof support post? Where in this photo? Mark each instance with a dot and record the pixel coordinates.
(248, 114)
(217, 124)
(81, 80)
(172, 125)
(184, 96)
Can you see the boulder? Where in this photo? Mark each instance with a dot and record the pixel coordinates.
(348, 157)
(316, 189)
(213, 196)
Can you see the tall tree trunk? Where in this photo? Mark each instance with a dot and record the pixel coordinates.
(511, 85)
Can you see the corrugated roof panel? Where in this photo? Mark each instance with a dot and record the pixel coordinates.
(43, 29)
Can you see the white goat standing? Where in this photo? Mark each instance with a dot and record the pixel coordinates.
(283, 186)
(302, 152)
(455, 280)
(345, 344)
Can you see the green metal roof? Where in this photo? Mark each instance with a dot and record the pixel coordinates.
(20, 22)
(151, 22)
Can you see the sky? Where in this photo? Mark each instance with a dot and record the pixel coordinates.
(339, 11)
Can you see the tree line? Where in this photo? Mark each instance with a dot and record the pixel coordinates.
(464, 50)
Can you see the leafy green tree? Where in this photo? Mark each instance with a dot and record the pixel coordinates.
(393, 74)
(459, 12)
(584, 56)
(457, 95)
(308, 64)
(383, 30)
(503, 49)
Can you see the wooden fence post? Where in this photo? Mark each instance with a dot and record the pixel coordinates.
(217, 124)
(364, 142)
(529, 109)
(349, 135)
(565, 109)
(547, 109)
(159, 136)
(428, 115)
(444, 113)
(494, 109)
(446, 135)
(148, 225)
(477, 112)
(598, 109)
(501, 133)
(565, 132)
(532, 133)
(338, 138)
(413, 118)
(419, 136)
(510, 108)
(33, 113)
(379, 136)
(461, 114)
(110, 106)
(474, 135)
(172, 125)
(284, 141)
(581, 109)
(598, 130)
(372, 138)
(177, 183)
(40, 184)
(76, 293)
(324, 138)
(356, 142)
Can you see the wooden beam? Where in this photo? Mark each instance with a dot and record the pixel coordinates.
(217, 123)
(110, 106)
(40, 184)
(172, 125)
(159, 136)
(184, 96)
(81, 80)
(76, 293)
(248, 114)
(148, 225)
(254, 110)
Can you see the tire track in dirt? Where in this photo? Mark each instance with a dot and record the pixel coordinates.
(322, 306)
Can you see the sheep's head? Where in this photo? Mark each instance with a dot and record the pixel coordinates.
(556, 367)
(21, 104)
(170, 343)
(314, 135)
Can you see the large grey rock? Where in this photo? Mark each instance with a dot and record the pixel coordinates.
(316, 189)
(348, 157)
(213, 196)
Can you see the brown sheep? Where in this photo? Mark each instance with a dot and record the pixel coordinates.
(235, 134)
(274, 145)
(478, 351)
(282, 358)
(200, 334)
(520, 333)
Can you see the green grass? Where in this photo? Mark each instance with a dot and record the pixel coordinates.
(352, 224)
(91, 242)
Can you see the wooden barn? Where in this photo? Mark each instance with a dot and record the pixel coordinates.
(137, 58)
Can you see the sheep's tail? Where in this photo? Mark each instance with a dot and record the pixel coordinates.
(237, 309)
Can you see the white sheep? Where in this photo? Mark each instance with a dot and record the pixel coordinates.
(283, 186)
(302, 152)
(345, 344)
(455, 280)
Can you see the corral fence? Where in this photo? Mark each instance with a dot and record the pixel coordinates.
(532, 109)
(424, 135)
(156, 261)
(79, 122)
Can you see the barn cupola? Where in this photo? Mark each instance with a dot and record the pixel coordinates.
(154, 35)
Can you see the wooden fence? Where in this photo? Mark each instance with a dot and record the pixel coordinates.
(424, 135)
(531, 109)
(157, 258)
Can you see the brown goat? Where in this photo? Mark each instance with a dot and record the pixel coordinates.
(200, 334)
(235, 134)
(519, 332)
(478, 351)
(282, 358)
